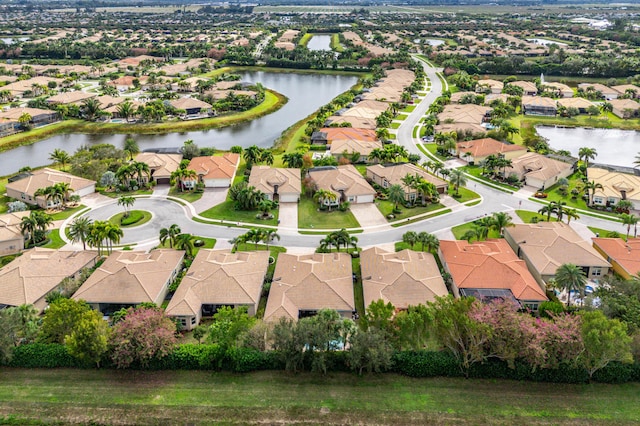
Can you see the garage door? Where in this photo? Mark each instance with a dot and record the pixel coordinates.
(163, 181)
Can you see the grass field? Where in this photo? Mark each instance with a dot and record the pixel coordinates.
(67, 212)
(144, 215)
(184, 397)
(310, 218)
(55, 242)
(227, 211)
(460, 230)
(386, 208)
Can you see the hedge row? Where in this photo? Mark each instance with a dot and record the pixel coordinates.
(408, 363)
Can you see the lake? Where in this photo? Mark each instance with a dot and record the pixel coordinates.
(545, 42)
(306, 93)
(615, 147)
(320, 42)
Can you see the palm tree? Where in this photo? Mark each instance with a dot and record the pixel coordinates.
(396, 195)
(131, 146)
(559, 208)
(269, 235)
(293, 159)
(548, 210)
(126, 201)
(606, 107)
(113, 234)
(126, 110)
(255, 236)
(571, 214)
(322, 195)
(25, 121)
(457, 178)
(142, 170)
(180, 176)
(170, 234)
(252, 155)
(240, 239)
(586, 154)
(91, 109)
(185, 242)
(501, 220)
(61, 157)
(266, 156)
(79, 230)
(410, 237)
(426, 190)
(570, 277)
(28, 226)
(628, 219)
(428, 241)
(591, 187)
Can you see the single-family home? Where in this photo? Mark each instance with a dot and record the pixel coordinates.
(561, 90)
(127, 82)
(350, 147)
(345, 182)
(528, 88)
(477, 150)
(464, 113)
(489, 270)
(218, 278)
(327, 135)
(457, 97)
(627, 89)
(192, 106)
(489, 86)
(545, 246)
(616, 186)
(215, 171)
(354, 122)
(278, 184)
(303, 284)
(29, 278)
(24, 188)
(605, 91)
(34, 86)
(70, 98)
(581, 104)
(11, 238)
(502, 97)
(129, 278)
(539, 105)
(624, 256)
(39, 117)
(625, 108)
(393, 173)
(537, 170)
(406, 278)
(161, 165)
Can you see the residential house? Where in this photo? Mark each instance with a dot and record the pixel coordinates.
(161, 166)
(345, 182)
(24, 189)
(349, 147)
(11, 238)
(537, 170)
(623, 89)
(29, 278)
(39, 117)
(393, 173)
(489, 270)
(605, 91)
(467, 113)
(625, 108)
(127, 82)
(502, 97)
(528, 88)
(477, 150)
(581, 104)
(70, 98)
(129, 278)
(406, 278)
(354, 122)
(215, 171)
(278, 184)
(545, 246)
(303, 284)
(616, 186)
(559, 89)
(624, 256)
(192, 106)
(20, 88)
(539, 105)
(327, 135)
(457, 97)
(489, 86)
(218, 278)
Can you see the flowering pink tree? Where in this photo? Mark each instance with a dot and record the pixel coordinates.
(144, 333)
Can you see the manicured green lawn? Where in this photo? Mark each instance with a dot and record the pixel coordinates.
(476, 172)
(310, 218)
(55, 242)
(460, 230)
(408, 108)
(64, 396)
(607, 233)
(228, 212)
(432, 149)
(114, 194)
(465, 194)
(188, 196)
(401, 117)
(209, 243)
(527, 216)
(386, 208)
(3, 198)
(145, 217)
(395, 125)
(67, 212)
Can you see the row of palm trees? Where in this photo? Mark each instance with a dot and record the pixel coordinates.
(177, 239)
(480, 228)
(256, 236)
(427, 241)
(390, 153)
(34, 226)
(560, 209)
(99, 234)
(338, 239)
(57, 194)
(135, 171)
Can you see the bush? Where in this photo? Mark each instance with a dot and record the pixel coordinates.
(426, 364)
(134, 217)
(43, 355)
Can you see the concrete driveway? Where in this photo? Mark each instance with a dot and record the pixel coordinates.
(369, 216)
(288, 216)
(211, 197)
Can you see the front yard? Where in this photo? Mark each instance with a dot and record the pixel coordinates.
(309, 217)
(188, 196)
(386, 208)
(228, 212)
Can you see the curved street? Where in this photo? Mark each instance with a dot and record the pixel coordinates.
(166, 212)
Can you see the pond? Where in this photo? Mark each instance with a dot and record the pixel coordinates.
(11, 40)
(320, 42)
(614, 147)
(306, 93)
(431, 41)
(545, 42)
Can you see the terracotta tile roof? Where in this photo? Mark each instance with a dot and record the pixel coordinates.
(15, 113)
(215, 167)
(489, 264)
(264, 178)
(310, 282)
(161, 164)
(220, 277)
(131, 277)
(626, 254)
(342, 178)
(487, 146)
(405, 278)
(622, 89)
(550, 244)
(30, 277)
(45, 177)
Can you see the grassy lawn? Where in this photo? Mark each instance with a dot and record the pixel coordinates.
(527, 216)
(64, 396)
(386, 208)
(145, 217)
(228, 212)
(310, 217)
(476, 172)
(460, 230)
(55, 242)
(395, 125)
(188, 196)
(3, 198)
(209, 243)
(408, 108)
(401, 117)
(67, 212)
(606, 233)
(358, 294)
(555, 195)
(335, 43)
(114, 194)
(431, 148)
(465, 194)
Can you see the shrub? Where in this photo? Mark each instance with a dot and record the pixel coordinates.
(426, 364)
(43, 355)
(134, 217)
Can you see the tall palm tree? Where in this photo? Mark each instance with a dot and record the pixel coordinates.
(458, 179)
(28, 226)
(255, 236)
(61, 157)
(131, 146)
(170, 234)
(91, 109)
(269, 235)
(586, 154)
(266, 156)
(501, 220)
(590, 188)
(571, 214)
(112, 234)
(428, 241)
(548, 209)
(63, 191)
(293, 159)
(559, 208)
(126, 201)
(252, 155)
(142, 170)
(126, 110)
(628, 219)
(410, 237)
(79, 230)
(322, 195)
(426, 190)
(570, 278)
(185, 242)
(396, 195)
